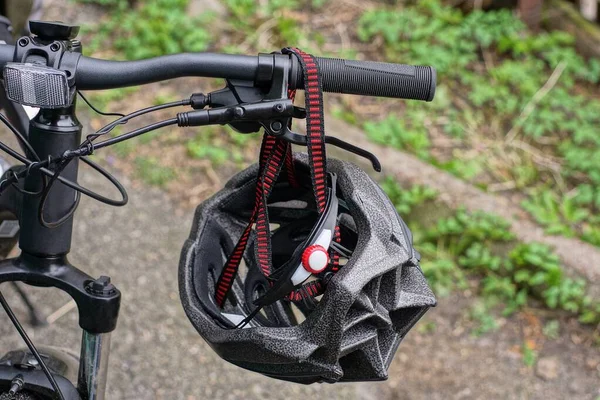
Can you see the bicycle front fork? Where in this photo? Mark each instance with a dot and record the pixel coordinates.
(93, 365)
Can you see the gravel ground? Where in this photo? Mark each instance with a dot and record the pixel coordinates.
(156, 354)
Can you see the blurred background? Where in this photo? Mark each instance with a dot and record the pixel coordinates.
(498, 177)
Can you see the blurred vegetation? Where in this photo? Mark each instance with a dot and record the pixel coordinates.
(152, 29)
(539, 134)
(510, 275)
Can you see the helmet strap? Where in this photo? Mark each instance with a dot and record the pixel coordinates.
(274, 155)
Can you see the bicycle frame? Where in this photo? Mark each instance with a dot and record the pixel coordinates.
(43, 261)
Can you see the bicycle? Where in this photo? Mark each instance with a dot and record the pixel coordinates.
(47, 70)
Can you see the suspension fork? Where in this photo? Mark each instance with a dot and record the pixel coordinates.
(43, 261)
(93, 365)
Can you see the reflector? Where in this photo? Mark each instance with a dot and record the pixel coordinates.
(37, 85)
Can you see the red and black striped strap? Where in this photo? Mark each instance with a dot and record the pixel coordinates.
(315, 123)
(273, 153)
(276, 153)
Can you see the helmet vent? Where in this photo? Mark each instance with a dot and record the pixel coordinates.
(295, 204)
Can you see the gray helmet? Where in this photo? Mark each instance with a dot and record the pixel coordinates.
(347, 325)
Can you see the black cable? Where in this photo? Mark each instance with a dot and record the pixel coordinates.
(106, 114)
(248, 318)
(54, 224)
(41, 167)
(124, 119)
(29, 148)
(19, 136)
(30, 166)
(117, 203)
(137, 132)
(30, 345)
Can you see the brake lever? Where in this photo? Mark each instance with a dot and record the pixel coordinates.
(337, 142)
(299, 113)
(274, 116)
(301, 140)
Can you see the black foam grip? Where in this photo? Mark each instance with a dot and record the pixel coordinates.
(371, 78)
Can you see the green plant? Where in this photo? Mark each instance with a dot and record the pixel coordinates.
(152, 29)
(432, 33)
(405, 134)
(479, 257)
(503, 289)
(551, 329)
(482, 314)
(152, 172)
(123, 149)
(591, 234)
(466, 169)
(536, 270)
(217, 155)
(475, 244)
(534, 265)
(405, 199)
(591, 312)
(427, 327)
(495, 69)
(242, 10)
(345, 115)
(529, 354)
(441, 271)
(463, 229)
(220, 145)
(247, 15)
(559, 216)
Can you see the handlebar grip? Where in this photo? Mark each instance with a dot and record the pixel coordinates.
(371, 78)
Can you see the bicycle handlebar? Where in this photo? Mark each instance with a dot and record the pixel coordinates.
(338, 75)
(93, 73)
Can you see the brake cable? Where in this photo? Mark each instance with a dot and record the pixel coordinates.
(86, 148)
(29, 148)
(90, 105)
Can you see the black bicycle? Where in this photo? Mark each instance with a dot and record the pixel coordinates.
(47, 70)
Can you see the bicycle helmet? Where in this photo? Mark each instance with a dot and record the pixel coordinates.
(301, 269)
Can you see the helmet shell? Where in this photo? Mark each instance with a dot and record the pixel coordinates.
(367, 309)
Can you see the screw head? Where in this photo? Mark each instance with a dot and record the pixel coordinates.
(54, 47)
(278, 108)
(276, 126)
(23, 42)
(238, 112)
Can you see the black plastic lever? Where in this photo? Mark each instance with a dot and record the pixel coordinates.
(301, 140)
